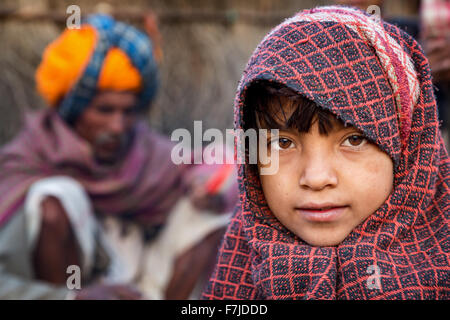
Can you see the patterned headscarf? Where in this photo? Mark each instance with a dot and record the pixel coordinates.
(102, 54)
(375, 77)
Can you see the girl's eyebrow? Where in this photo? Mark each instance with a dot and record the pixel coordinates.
(345, 129)
(272, 125)
(266, 125)
(275, 126)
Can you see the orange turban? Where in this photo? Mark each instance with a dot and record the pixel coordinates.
(65, 59)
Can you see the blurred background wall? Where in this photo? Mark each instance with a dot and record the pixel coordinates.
(206, 45)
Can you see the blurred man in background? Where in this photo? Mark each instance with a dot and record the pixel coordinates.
(87, 184)
(435, 37)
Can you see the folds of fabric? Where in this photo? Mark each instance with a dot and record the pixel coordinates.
(375, 77)
(145, 184)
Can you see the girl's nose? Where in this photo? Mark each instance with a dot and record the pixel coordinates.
(317, 171)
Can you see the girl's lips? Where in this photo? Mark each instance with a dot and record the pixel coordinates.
(317, 215)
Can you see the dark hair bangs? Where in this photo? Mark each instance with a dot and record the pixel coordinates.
(267, 105)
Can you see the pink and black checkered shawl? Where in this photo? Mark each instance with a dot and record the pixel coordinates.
(375, 77)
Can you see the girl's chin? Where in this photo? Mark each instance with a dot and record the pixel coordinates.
(323, 238)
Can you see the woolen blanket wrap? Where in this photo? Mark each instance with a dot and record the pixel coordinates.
(375, 77)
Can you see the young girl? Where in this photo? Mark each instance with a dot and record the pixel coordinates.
(359, 206)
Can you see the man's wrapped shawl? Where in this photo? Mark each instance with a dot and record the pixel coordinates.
(144, 185)
(375, 77)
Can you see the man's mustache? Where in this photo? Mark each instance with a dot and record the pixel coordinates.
(110, 138)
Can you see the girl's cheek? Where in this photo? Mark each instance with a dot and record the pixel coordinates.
(378, 173)
(380, 164)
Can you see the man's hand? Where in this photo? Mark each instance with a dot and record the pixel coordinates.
(438, 54)
(108, 292)
(202, 200)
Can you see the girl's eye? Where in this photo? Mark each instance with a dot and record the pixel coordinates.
(355, 141)
(281, 143)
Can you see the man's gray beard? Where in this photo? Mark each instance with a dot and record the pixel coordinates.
(103, 138)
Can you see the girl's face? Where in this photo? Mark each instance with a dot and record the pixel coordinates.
(326, 185)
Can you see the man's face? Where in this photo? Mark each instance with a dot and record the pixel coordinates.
(107, 123)
(326, 185)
